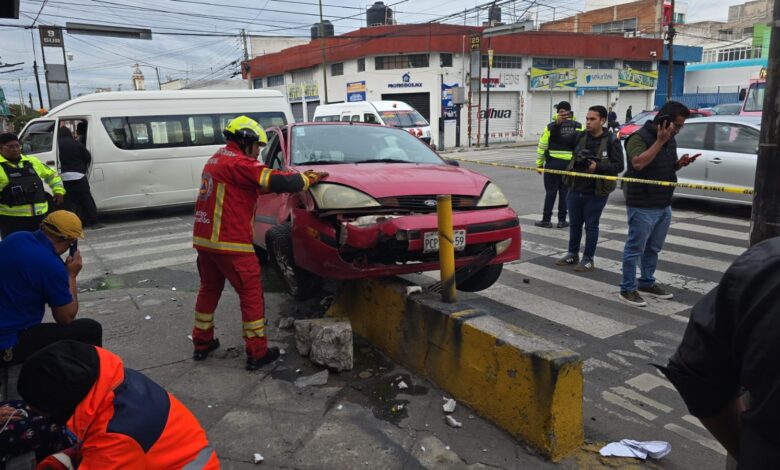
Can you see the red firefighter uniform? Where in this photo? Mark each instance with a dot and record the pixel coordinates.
(224, 214)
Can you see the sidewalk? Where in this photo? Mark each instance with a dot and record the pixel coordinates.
(496, 146)
(360, 419)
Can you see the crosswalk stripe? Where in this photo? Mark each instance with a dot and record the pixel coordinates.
(589, 286)
(676, 257)
(139, 223)
(695, 437)
(559, 234)
(726, 220)
(719, 232)
(627, 405)
(140, 241)
(147, 231)
(148, 251)
(157, 263)
(676, 213)
(566, 315)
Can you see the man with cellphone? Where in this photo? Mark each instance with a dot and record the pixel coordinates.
(32, 274)
(652, 155)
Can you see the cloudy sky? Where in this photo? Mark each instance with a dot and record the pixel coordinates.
(199, 39)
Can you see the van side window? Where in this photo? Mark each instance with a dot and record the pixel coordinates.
(370, 118)
(356, 118)
(202, 130)
(345, 118)
(38, 137)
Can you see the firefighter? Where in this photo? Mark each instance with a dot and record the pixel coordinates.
(23, 198)
(224, 212)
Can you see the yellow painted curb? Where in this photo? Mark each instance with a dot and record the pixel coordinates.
(528, 386)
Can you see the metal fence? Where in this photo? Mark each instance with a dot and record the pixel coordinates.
(706, 100)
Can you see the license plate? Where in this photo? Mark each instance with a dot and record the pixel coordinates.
(431, 241)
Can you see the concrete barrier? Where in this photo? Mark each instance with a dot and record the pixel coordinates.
(528, 386)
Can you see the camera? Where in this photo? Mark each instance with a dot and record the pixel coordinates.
(581, 161)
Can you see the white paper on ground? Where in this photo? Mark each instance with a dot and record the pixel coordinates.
(637, 449)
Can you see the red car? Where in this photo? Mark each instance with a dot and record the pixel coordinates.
(375, 214)
(639, 120)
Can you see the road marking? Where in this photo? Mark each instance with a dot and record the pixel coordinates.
(617, 358)
(647, 382)
(627, 405)
(562, 314)
(558, 234)
(138, 223)
(591, 364)
(698, 438)
(709, 264)
(694, 420)
(541, 249)
(726, 220)
(148, 251)
(140, 241)
(158, 263)
(676, 213)
(147, 231)
(632, 395)
(719, 232)
(589, 286)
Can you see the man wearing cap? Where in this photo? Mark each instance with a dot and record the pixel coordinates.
(23, 199)
(32, 274)
(554, 153)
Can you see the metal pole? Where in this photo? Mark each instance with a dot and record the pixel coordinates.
(35, 70)
(670, 65)
(159, 85)
(766, 219)
(324, 63)
(21, 97)
(487, 104)
(446, 247)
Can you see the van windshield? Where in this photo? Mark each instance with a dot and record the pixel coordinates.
(403, 118)
(755, 98)
(38, 137)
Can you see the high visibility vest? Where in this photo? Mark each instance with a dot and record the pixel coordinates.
(35, 206)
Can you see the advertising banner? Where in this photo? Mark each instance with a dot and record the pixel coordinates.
(631, 79)
(356, 91)
(597, 79)
(297, 91)
(555, 79)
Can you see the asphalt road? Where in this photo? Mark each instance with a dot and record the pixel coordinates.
(624, 395)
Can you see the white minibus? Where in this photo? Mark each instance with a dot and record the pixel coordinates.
(149, 147)
(386, 113)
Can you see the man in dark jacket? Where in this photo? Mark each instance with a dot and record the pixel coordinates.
(597, 152)
(74, 164)
(652, 155)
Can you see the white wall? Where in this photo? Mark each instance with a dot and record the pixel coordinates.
(728, 79)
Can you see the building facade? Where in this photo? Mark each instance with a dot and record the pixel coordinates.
(419, 64)
(644, 18)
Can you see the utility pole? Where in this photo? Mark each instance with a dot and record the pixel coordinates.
(766, 218)
(21, 97)
(670, 65)
(35, 70)
(246, 59)
(489, 85)
(324, 64)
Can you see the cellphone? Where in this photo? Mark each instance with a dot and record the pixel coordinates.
(694, 157)
(73, 248)
(664, 118)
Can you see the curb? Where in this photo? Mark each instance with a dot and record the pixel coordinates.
(526, 385)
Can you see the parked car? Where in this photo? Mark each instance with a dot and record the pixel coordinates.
(727, 109)
(375, 214)
(729, 149)
(640, 119)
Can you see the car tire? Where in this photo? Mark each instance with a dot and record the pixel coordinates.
(299, 283)
(261, 254)
(481, 279)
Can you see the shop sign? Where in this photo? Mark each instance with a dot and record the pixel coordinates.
(503, 81)
(406, 82)
(555, 79)
(597, 79)
(356, 91)
(631, 79)
(297, 91)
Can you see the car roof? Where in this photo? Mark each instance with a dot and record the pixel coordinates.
(753, 121)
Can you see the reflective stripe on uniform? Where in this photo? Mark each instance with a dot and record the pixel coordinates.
(561, 154)
(24, 210)
(201, 460)
(220, 200)
(204, 321)
(265, 177)
(306, 182)
(254, 329)
(225, 246)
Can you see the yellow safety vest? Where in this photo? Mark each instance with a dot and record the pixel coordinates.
(48, 175)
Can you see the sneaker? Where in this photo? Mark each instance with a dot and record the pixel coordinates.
(562, 224)
(657, 291)
(543, 223)
(201, 354)
(633, 298)
(270, 356)
(585, 266)
(568, 260)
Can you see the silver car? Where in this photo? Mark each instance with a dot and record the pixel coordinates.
(729, 149)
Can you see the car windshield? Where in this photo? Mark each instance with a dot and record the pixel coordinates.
(334, 144)
(403, 118)
(642, 117)
(732, 108)
(755, 97)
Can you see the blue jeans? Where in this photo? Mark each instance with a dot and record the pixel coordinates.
(647, 229)
(584, 208)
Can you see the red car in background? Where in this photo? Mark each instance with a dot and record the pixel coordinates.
(375, 214)
(639, 120)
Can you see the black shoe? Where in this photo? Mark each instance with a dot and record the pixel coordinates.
(568, 260)
(543, 223)
(632, 298)
(657, 291)
(562, 224)
(200, 354)
(270, 356)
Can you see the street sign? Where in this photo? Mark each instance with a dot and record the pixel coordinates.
(490, 58)
(476, 42)
(51, 36)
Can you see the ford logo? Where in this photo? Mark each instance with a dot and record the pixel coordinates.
(430, 202)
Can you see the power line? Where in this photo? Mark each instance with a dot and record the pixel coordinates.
(43, 5)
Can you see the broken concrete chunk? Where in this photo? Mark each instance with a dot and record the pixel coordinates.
(327, 342)
(452, 422)
(320, 378)
(402, 385)
(258, 458)
(449, 405)
(286, 323)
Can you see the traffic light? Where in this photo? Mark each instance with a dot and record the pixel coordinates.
(9, 9)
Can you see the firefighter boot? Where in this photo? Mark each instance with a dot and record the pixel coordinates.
(270, 356)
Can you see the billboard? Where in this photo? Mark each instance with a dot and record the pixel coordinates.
(553, 79)
(631, 79)
(356, 91)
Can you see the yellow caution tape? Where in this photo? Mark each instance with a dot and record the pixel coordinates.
(703, 187)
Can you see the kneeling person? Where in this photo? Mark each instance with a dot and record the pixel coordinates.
(597, 152)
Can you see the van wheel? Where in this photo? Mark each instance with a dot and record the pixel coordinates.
(299, 283)
(481, 279)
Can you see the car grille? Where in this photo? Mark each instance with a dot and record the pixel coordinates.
(426, 203)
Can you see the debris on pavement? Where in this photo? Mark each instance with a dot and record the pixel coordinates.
(413, 290)
(189, 337)
(340, 407)
(452, 422)
(320, 378)
(402, 385)
(637, 449)
(285, 323)
(449, 405)
(258, 458)
(148, 317)
(173, 288)
(327, 342)
(144, 281)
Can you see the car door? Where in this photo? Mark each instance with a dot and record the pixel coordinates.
(692, 139)
(732, 161)
(269, 205)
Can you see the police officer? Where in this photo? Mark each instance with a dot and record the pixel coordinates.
(230, 183)
(23, 199)
(554, 153)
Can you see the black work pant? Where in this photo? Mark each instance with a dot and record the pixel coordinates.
(554, 186)
(10, 224)
(78, 199)
(31, 340)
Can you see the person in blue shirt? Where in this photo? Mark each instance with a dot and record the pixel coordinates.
(32, 275)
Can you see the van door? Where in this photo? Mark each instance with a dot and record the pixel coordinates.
(269, 205)
(39, 140)
(692, 139)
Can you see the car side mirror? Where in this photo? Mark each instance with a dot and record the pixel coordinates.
(452, 162)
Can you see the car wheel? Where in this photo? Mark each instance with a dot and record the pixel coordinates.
(299, 283)
(481, 279)
(261, 254)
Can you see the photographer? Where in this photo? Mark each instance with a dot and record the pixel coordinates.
(597, 152)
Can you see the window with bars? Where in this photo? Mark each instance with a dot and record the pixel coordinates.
(275, 80)
(599, 64)
(337, 69)
(641, 65)
(361, 64)
(410, 61)
(551, 63)
(619, 26)
(503, 62)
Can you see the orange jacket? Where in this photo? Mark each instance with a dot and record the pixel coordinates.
(129, 422)
(225, 209)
